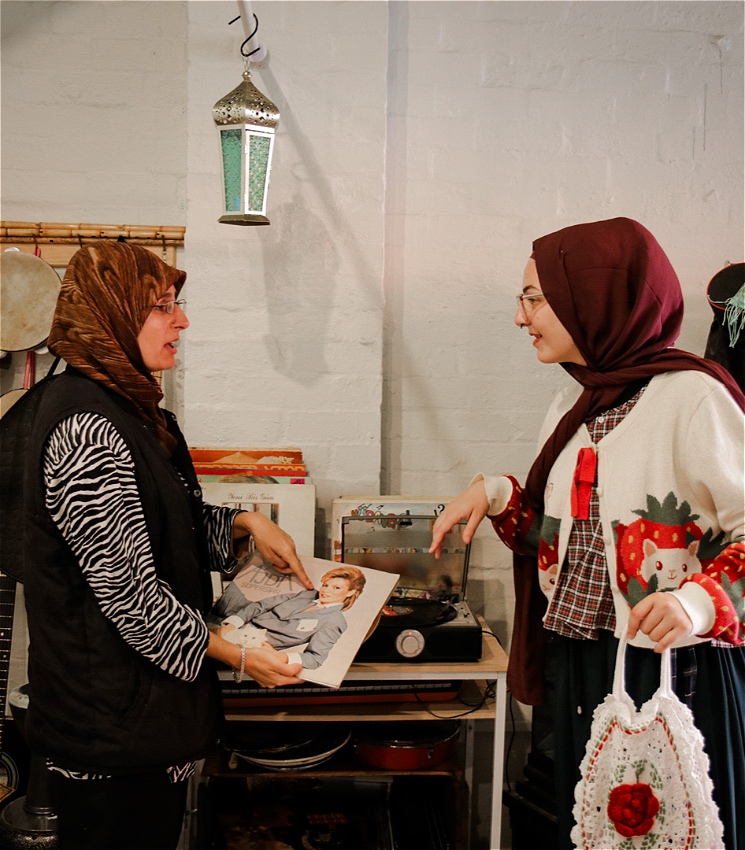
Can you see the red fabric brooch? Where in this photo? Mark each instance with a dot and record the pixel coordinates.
(633, 808)
(584, 478)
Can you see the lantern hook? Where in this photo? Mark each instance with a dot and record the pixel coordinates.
(255, 30)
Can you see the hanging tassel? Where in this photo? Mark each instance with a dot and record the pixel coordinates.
(582, 483)
(734, 315)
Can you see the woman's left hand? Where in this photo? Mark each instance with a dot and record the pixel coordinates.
(274, 544)
(263, 664)
(662, 618)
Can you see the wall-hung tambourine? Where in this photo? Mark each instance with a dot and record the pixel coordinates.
(29, 287)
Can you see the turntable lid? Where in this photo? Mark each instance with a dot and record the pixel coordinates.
(400, 544)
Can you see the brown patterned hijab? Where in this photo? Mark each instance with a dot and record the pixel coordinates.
(108, 291)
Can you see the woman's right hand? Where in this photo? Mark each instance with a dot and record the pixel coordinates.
(471, 505)
(273, 543)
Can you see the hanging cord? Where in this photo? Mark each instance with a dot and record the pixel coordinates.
(53, 367)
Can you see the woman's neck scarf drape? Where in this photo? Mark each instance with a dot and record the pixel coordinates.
(107, 293)
(614, 290)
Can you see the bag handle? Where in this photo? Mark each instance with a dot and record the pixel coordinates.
(619, 677)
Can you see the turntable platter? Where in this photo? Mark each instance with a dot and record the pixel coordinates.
(417, 612)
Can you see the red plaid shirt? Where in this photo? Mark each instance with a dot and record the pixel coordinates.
(583, 602)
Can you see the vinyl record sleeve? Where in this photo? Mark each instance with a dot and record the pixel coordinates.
(326, 637)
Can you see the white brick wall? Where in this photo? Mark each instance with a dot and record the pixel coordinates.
(93, 105)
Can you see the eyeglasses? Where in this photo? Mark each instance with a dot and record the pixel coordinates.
(528, 304)
(170, 306)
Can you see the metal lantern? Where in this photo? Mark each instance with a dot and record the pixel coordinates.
(247, 121)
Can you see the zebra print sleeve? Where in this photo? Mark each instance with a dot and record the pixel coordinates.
(92, 496)
(218, 522)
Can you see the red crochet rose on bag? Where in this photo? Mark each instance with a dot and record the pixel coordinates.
(633, 808)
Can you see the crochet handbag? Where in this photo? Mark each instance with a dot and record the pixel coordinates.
(645, 776)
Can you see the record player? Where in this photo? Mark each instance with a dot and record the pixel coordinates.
(427, 617)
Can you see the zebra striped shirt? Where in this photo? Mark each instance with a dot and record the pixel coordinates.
(92, 496)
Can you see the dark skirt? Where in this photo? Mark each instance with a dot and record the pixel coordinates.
(709, 679)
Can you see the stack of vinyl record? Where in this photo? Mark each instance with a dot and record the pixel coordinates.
(286, 746)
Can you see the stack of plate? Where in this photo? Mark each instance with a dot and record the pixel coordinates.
(287, 746)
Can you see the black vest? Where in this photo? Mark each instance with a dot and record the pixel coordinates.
(95, 703)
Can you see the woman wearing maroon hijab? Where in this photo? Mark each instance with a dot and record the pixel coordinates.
(632, 518)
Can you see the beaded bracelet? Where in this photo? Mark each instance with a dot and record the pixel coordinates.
(238, 674)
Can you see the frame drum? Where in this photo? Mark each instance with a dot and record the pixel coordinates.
(29, 287)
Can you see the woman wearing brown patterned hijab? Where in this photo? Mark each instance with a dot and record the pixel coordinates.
(107, 295)
(118, 546)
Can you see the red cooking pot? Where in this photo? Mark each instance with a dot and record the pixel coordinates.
(406, 745)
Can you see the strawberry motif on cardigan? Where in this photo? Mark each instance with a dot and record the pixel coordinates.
(548, 554)
(715, 565)
(724, 581)
(662, 528)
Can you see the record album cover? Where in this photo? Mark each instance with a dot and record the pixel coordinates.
(322, 629)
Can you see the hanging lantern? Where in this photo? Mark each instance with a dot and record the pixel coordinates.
(247, 121)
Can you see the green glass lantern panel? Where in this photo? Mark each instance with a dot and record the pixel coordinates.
(231, 168)
(258, 165)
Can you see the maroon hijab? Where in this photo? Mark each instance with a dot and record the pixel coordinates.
(613, 288)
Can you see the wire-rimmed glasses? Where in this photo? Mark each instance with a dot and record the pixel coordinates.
(170, 306)
(527, 304)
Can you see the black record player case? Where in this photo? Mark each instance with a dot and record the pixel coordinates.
(427, 617)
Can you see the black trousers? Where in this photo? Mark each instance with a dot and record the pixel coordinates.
(710, 680)
(141, 812)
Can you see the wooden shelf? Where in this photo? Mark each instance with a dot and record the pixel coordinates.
(343, 763)
(58, 241)
(471, 694)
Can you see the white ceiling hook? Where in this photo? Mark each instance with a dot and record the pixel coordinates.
(260, 58)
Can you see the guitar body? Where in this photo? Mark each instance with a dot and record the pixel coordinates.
(9, 776)
(14, 752)
(14, 762)
(20, 827)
